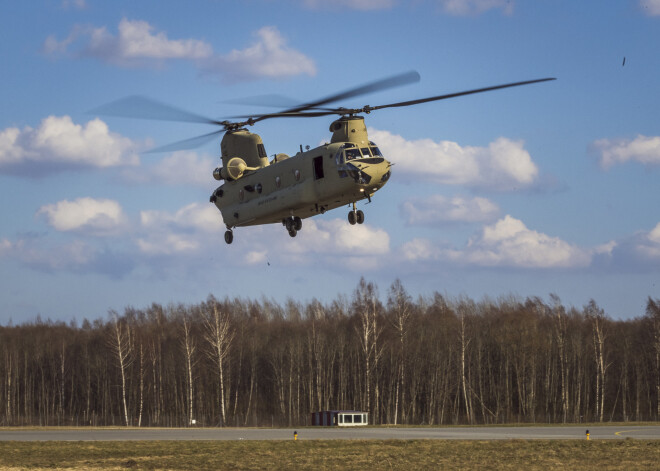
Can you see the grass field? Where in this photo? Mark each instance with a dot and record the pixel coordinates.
(334, 454)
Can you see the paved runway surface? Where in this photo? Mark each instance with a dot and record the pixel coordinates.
(601, 432)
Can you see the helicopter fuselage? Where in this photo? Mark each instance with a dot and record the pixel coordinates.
(304, 185)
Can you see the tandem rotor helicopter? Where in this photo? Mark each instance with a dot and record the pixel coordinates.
(288, 189)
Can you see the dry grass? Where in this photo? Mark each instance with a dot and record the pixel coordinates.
(334, 454)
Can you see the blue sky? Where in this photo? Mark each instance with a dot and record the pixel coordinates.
(547, 188)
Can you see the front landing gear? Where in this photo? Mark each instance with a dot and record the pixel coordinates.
(293, 224)
(355, 216)
(229, 236)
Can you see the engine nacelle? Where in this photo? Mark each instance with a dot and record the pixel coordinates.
(233, 170)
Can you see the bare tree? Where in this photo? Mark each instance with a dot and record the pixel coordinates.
(366, 307)
(653, 314)
(597, 317)
(121, 343)
(399, 304)
(189, 347)
(219, 337)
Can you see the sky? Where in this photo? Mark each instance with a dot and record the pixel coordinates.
(550, 188)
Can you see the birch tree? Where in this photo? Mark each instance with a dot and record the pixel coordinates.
(122, 346)
(219, 336)
(189, 347)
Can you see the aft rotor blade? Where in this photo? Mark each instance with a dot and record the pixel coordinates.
(382, 84)
(188, 144)
(137, 106)
(453, 95)
(271, 100)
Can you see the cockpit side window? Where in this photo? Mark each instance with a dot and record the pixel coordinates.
(376, 151)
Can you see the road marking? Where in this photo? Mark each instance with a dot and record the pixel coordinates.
(623, 431)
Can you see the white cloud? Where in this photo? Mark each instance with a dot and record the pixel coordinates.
(178, 168)
(136, 43)
(506, 243)
(269, 56)
(419, 249)
(647, 244)
(59, 142)
(642, 149)
(185, 231)
(650, 7)
(503, 165)
(85, 215)
(436, 209)
(333, 244)
(167, 244)
(38, 253)
(510, 243)
(475, 7)
(195, 216)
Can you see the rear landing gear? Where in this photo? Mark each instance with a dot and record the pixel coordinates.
(229, 236)
(293, 224)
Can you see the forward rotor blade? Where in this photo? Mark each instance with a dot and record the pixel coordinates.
(145, 108)
(382, 84)
(453, 95)
(188, 144)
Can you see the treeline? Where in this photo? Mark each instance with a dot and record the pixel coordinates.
(237, 362)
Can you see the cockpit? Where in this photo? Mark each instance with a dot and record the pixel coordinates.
(350, 151)
(353, 161)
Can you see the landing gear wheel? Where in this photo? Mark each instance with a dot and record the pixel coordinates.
(352, 218)
(359, 216)
(229, 237)
(293, 232)
(297, 223)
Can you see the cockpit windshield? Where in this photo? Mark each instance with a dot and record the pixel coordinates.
(352, 154)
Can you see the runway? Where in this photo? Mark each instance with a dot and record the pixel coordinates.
(573, 432)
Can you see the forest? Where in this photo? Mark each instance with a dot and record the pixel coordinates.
(433, 360)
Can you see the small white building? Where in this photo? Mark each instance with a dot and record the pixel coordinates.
(340, 418)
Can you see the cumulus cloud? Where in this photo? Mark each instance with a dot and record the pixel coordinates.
(438, 209)
(632, 253)
(269, 56)
(506, 243)
(503, 165)
(179, 168)
(59, 143)
(650, 7)
(77, 256)
(85, 215)
(195, 216)
(187, 230)
(332, 243)
(137, 43)
(649, 243)
(475, 7)
(642, 149)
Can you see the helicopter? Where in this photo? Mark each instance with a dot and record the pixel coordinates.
(287, 189)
